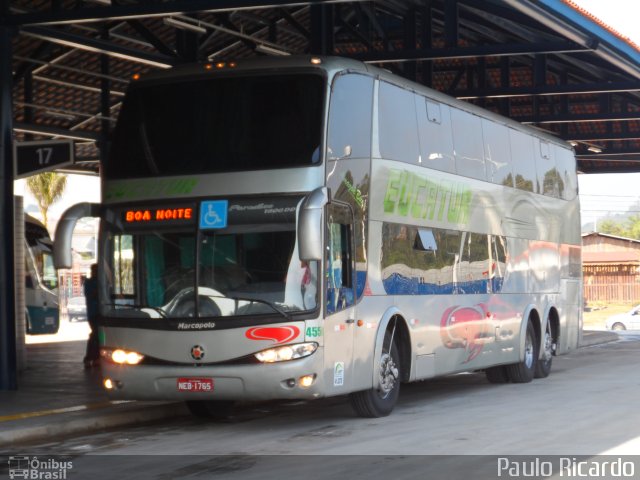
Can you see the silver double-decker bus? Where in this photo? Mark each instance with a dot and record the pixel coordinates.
(305, 227)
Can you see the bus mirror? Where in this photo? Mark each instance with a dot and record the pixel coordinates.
(64, 231)
(310, 225)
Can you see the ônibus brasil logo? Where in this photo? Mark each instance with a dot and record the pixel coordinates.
(21, 466)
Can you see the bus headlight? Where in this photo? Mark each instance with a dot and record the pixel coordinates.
(286, 352)
(121, 357)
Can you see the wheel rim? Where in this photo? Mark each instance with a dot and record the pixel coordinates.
(528, 352)
(548, 344)
(618, 326)
(388, 375)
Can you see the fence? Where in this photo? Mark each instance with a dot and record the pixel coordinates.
(612, 293)
(611, 283)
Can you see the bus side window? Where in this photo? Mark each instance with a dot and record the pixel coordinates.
(349, 134)
(339, 258)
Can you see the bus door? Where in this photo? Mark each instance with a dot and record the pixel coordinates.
(339, 295)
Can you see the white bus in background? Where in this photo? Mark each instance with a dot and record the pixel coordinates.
(303, 227)
(41, 280)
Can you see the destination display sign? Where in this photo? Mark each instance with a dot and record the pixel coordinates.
(214, 214)
(165, 214)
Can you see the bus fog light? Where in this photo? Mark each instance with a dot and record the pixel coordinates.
(111, 384)
(286, 352)
(307, 380)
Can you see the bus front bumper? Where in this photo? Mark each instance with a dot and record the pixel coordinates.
(295, 379)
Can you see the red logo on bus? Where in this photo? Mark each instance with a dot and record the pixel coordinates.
(472, 327)
(466, 327)
(276, 334)
(197, 352)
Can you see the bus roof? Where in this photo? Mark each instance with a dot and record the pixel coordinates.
(332, 65)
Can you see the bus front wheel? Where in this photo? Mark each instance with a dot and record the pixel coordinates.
(379, 401)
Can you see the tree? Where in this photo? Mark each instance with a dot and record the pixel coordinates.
(47, 188)
(629, 228)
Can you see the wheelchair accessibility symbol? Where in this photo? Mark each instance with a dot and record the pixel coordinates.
(213, 214)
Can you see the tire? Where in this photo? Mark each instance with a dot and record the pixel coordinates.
(497, 374)
(618, 326)
(27, 319)
(523, 372)
(543, 365)
(380, 401)
(213, 409)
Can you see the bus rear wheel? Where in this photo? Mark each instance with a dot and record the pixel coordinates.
(523, 372)
(380, 401)
(214, 409)
(543, 365)
(497, 374)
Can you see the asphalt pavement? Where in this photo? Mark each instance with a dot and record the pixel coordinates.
(56, 396)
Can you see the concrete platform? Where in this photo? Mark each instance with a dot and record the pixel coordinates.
(56, 396)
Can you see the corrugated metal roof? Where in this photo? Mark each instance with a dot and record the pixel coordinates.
(569, 74)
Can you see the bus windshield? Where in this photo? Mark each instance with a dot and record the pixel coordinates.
(211, 125)
(250, 267)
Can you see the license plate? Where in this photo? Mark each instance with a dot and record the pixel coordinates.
(195, 385)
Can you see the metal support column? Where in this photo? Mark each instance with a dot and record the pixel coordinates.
(564, 105)
(539, 80)
(105, 106)
(8, 364)
(505, 82)
(410, 42)
(322, 24)
(451, 23)
(427, 66)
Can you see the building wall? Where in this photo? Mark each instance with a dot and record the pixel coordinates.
(611, 282)
(599, 243)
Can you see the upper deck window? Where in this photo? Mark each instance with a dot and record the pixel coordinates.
(218, 125)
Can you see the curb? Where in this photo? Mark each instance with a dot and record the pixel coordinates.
(597, 337)
(115, 416)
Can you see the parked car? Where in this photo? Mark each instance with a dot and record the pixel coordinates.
(625, 321)
(76, 309)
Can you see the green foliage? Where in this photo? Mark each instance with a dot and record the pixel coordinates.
(628, 228)
(47, 188)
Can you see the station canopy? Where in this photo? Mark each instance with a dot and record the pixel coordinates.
(545, 63)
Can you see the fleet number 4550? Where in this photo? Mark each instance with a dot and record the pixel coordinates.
(313, 332)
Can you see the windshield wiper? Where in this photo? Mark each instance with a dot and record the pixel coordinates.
(278, 309)
(138, 307)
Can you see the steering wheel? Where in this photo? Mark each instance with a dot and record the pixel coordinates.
(186, 307)
(207, 307)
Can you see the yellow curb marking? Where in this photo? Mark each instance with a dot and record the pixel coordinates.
(55, 411)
